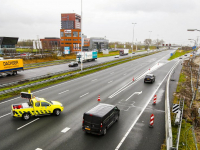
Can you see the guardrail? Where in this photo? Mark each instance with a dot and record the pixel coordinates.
(168, 128)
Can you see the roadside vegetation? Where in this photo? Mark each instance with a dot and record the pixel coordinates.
(179, 53)
(190, 127)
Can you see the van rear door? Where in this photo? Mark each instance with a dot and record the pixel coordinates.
(92, 123)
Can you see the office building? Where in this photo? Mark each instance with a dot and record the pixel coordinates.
(70, 32)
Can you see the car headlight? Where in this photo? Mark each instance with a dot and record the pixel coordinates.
(61, 105)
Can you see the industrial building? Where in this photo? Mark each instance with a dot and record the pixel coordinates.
(50, 43)
(7, 45)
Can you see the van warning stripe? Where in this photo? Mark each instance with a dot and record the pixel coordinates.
(45, 111)
(37, 112)
(30, 112)
(49, 111)
(20, 112)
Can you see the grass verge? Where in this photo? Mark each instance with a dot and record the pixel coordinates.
(179, 53)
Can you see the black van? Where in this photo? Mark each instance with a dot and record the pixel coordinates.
(98, 119)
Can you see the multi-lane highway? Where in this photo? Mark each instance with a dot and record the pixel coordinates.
(115, 86)
(27, 74)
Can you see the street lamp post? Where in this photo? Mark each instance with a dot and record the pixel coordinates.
(197, 37)
(81, 38)
(133, 38)
(194, 44)
(149, 40)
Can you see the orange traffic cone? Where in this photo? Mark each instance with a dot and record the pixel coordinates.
(133, 79)
(99, 98)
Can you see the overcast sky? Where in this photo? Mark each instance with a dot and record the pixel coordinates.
(167, 19)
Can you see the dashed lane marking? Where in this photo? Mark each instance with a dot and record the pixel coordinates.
(84, 95)
(65, 130)
(4, 115)
(110, 81)
(27, 124)
(63, 92)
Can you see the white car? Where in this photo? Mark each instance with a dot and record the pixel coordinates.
(117, 56)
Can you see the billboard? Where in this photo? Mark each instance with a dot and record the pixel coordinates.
(67, 31)
(66, 50)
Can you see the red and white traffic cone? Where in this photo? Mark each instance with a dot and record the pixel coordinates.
(154, 100)
(151, 121)
(99, 98)
(133, 79)
(149, 68)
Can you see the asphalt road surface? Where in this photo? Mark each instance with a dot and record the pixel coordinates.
(115, 86)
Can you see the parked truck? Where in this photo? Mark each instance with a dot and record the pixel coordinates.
(123, 52)
(11, 66)
(86, 56)
(35, 107)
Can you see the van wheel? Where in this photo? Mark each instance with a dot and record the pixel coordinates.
(56, 112)
(26, 116)
(104, 131)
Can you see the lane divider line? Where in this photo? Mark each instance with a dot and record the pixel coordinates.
(84, 95)
(110, 81)
(65, 129)
(63, 92)
(27, 124)
(94, 80)
(38, 149)
(5, 115)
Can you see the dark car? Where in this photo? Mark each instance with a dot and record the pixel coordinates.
(73, 64)
(98, 119)
(149, 78)
(185, 54)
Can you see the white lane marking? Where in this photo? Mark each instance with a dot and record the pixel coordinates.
(84, 95)
(120, 143)
(63, 92)
(65, 129)
(138, 93)
(125, 74)
(9, 100)
(112, 72)
(94, 80)
(136, 80)
(38, 149)
(110, 81)
(27, 124)
(5, 115)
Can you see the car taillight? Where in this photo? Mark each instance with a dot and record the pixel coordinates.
(83, 121)
(101, 125)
